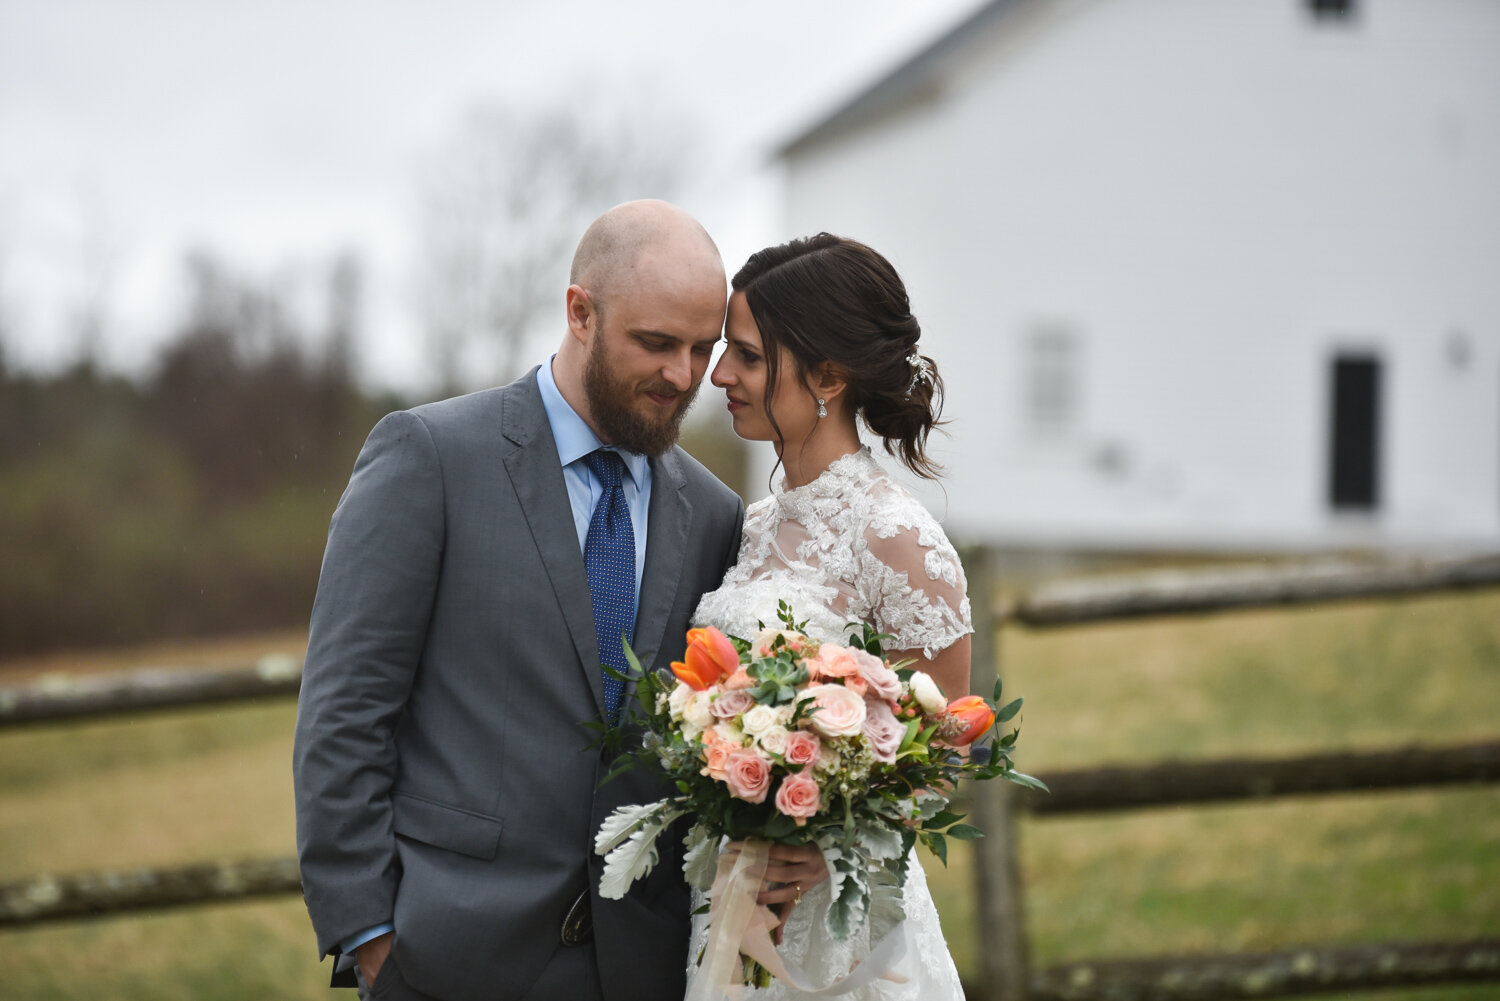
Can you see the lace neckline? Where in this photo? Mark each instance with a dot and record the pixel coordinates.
(854, 468)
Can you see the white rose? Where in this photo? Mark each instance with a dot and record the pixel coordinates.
(927, 693)
(773, 739)
(727, 731)
(697, 713)
(758, 720)
(828, 758)
(678, 700)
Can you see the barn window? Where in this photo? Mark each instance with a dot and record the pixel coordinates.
(1050, 370)
(1354, 467)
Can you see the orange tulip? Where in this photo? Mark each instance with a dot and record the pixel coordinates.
(971, 717)
(710, 657)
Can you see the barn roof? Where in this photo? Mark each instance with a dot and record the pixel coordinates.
(910, 81)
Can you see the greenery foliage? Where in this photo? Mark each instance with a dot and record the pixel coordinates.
(194, 501)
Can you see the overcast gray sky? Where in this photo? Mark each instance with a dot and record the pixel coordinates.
(277, 133)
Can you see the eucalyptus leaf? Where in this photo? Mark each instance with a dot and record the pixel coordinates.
(1009, 712)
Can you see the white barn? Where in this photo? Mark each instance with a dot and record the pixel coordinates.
(1200, 274)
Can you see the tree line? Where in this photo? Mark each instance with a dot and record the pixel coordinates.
(194, 500)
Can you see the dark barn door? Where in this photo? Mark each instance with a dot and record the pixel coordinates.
(1354, 480)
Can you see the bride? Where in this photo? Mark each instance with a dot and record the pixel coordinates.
(820, 335)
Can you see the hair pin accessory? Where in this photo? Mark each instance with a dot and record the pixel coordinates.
(921, 371)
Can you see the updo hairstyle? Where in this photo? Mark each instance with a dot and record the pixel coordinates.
(830, 299)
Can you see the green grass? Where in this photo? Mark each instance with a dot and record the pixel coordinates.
(213, 783)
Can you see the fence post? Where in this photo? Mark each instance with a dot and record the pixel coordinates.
(999, 904)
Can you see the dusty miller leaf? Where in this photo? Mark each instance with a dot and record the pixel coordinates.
(636, 855)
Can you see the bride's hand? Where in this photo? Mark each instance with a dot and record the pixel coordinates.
(793, 871)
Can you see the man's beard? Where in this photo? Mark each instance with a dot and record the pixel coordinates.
(610, 401)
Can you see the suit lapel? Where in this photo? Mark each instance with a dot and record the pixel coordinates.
(669, 523)
(536, 476)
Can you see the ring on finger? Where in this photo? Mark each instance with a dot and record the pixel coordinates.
(798, 898)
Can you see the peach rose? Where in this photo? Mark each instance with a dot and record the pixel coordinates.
(839, 712)
(799, 796)
(856, 684)
(716, 756)
(801, 748)
(835, 662)
(748, 775)
(739, 681)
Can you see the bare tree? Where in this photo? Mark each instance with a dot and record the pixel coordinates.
(504, 201)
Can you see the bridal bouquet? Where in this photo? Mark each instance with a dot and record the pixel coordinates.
(783, 739)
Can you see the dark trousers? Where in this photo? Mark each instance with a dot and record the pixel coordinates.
(572, 974)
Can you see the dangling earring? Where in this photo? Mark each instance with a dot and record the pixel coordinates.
(822, 408)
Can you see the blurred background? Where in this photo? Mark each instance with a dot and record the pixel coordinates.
(1211, 283)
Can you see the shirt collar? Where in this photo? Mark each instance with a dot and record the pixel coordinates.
(574, 438)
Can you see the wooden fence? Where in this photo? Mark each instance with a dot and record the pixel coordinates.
(995, 807)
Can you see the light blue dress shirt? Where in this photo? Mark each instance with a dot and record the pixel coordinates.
(574, 439)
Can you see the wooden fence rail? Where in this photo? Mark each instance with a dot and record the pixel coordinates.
(1308, 970)
(1175, 592)
(994, 807)
(48, 898)
(1171, 783)
(89, 696)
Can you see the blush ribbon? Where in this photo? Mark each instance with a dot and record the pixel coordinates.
(739, 926)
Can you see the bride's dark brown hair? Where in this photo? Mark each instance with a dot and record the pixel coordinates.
(830, 299)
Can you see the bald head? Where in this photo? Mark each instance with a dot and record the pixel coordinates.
(634, 236)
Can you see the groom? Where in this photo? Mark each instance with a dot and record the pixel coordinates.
(487, 554)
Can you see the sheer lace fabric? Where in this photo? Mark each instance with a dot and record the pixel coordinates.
(852, 546)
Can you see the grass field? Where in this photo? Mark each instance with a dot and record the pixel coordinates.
(215, 783)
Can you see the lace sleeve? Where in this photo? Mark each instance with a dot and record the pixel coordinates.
(920, 595)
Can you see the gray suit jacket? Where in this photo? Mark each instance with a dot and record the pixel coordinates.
(442, 775)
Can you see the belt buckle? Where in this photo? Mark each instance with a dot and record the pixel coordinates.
(578, 924)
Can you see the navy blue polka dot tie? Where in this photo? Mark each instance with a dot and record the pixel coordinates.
(609, 556)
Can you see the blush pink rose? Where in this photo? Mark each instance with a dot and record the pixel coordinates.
(799, 796)
(839, 712)
(883, 730)
(856, 684)
(730, 704)
(801, 748)
(881, 679)
(748, 775)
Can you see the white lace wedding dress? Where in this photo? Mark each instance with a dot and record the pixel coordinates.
(851, 546)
